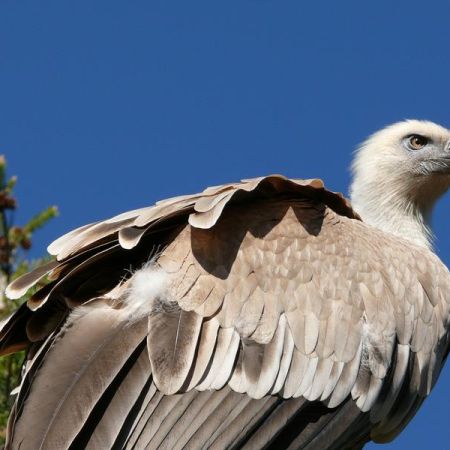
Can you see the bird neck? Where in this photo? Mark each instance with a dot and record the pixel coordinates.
(400, 207)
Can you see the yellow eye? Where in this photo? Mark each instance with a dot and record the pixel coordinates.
(416, 141)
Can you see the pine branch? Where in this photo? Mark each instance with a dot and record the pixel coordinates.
(12, 239)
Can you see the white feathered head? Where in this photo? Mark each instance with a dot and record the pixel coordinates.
(398, 174)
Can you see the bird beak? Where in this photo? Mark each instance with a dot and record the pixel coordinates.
(447, 148)
(447, 151)
(446, 157)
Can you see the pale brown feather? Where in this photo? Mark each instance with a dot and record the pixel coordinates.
(275, 287)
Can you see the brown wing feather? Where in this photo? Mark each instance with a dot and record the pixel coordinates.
(276, 288)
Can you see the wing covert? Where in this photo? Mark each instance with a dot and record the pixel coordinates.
(275, 292)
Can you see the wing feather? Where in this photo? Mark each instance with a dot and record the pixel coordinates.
(20, 286)
(124, 397)
(223, 342)
(285, 361)
(279, 299)
(149, 405)
(193, 417)
(91, 348)
(172, 340)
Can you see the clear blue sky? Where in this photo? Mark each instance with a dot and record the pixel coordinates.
(107, 106)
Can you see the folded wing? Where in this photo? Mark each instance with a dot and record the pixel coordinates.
(258, 313)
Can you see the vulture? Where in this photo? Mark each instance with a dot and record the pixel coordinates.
(268, 313)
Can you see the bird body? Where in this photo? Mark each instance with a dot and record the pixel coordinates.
(263, 313)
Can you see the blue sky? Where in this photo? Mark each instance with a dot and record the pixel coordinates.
(108, 106)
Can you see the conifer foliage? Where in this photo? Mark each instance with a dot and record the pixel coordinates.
(15, 241)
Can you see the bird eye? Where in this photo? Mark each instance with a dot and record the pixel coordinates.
(416, 142)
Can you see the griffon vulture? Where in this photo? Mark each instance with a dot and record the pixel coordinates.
(269, 313)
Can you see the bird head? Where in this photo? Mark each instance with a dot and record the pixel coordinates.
(400, 172)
